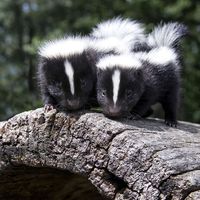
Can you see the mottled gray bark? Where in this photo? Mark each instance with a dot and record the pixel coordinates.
(141, 159)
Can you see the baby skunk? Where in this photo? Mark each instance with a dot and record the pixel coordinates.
(66, 73)
(132, 83)
(114, 37)
(119, 79)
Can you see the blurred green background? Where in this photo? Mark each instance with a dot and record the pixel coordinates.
(25, 24)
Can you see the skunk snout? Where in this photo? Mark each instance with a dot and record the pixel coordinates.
(74, 104)
(114, 111)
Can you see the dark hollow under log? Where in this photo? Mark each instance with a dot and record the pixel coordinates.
(50, 155)
(39, 183)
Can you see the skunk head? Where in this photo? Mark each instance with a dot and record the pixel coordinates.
(119, 84)
(68, 72)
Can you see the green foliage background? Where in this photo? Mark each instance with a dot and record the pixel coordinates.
(25, 24)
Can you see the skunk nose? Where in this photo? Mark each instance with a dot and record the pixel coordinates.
(114, 111)
(74, 104)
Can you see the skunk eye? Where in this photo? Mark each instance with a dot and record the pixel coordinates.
(83, 83)
(103, 93)
(129, 94)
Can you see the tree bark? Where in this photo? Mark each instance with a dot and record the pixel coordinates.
(141, 159)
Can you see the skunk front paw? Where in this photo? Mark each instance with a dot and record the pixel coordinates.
(172, 123)
(48, 107)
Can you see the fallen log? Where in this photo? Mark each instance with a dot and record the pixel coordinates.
(41, 151)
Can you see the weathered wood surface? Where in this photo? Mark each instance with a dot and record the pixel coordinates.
(144, 159)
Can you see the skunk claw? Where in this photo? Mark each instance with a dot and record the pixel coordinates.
(48, 107)
(172, 123)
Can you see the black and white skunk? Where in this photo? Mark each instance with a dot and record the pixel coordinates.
(66, 73)
(132, 83)
(119, 83)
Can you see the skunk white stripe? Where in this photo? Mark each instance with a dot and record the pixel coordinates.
(121, 28)
(116, 82)
(159, 56)
(64, 47)
(162, 56)
(111, 44)
(122, 61)
(70, 74)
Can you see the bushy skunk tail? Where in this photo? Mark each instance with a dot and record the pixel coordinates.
(168, 35)
(126, 29)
